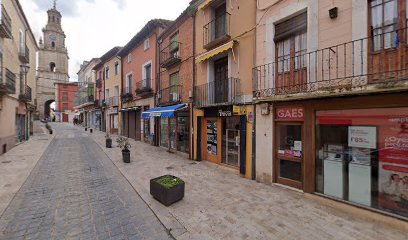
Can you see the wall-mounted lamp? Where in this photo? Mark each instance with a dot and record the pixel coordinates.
(333, 12)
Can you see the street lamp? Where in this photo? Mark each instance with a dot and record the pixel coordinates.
(25, 68)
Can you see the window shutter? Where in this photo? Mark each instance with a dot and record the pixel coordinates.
(295, 25)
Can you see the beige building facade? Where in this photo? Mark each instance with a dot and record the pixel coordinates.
(17, 75)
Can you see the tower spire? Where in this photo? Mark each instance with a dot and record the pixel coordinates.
(55, 4)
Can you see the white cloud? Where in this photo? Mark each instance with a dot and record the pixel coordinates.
(95, 26)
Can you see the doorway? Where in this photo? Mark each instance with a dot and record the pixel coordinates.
(289, 154)
(221, 80)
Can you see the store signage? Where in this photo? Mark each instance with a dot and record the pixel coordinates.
(219, 112)
(224, 113)
(113, 110)
(265, 109)
(362, 137)
(290, 114)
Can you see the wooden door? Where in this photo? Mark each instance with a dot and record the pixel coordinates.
(212, 140)
(289, 154)
(221, 80)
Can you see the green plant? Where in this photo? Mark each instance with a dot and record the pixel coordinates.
(123, 143)
(169, 181)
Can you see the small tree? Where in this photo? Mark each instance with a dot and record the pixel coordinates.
(123, 143)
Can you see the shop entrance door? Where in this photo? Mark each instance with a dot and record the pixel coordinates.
(211, 140)
(289, 154)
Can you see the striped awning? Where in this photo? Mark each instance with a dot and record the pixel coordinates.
(205, 4)
(215, 51)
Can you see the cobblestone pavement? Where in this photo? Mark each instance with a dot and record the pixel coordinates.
(75, 192)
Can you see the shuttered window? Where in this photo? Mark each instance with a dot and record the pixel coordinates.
(292, 27)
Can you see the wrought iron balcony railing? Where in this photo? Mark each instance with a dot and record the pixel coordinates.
(217, 31)
(5, 24)
(144, 88)
(24, 54)
(170, 55)
(372, 63)
(127, 95)
(10, 81)
(225, 92)
(170, 95)
(84, 96)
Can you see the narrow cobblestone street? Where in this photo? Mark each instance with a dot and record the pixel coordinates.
(75, 192)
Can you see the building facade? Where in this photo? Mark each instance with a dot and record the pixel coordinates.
(53, 62)
(17, 75)
(331, 102)
(139, 71)
(175, 84)
(64, 101)
(223, 111)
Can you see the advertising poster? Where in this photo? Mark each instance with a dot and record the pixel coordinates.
(393, 166)
(362, 137)
(212, 133)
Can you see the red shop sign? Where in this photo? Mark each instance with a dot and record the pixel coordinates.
(289, 114)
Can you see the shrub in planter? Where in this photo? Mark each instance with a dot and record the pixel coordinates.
(124, 144)
(108, 141)
(167, 189)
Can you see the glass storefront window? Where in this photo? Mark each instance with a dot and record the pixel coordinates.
(146, 129)
(183, 134)
(362, 157)
(164, 131)
(290, 151)
(230, 141)
(172, 130)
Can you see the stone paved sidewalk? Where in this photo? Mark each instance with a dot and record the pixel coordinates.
(219, 204)
(17, 164)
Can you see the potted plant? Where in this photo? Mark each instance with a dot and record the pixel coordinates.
(167, 189)
(124, 144)
(108, 141)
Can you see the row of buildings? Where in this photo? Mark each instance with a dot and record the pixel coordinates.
(305, 94)
(31, 73)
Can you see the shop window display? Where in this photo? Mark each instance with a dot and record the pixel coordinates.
(230, 141)
(362, 157)
(164, 137)
(290, 152)
(183, 133)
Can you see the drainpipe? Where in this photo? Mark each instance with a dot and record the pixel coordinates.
(194, 80)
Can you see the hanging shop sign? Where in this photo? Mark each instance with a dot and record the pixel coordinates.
(265, 110)
(290, 113)
(113, 110)
(239, 110)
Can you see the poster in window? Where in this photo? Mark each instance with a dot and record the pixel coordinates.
(212, 134)
(362, 137)
(393, 166)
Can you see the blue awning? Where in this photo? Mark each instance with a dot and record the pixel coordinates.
(163, 111)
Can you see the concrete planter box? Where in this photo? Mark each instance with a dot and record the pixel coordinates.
(166, 196)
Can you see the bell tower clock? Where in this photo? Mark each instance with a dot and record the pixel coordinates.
(53, 61)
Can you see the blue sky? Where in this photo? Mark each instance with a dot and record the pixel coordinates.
(95, 26)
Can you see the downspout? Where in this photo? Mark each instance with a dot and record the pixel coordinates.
(194, 81)
(120, 96)
(156, 121)
(254, 105)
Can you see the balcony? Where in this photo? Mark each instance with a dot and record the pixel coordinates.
(214, 93)
(170, 95)
(113, 101)
(24, 55)
(170, 55)
(9, 86)
(5, 24)
(364, 65)
(26, 96)
(144, 88)
(217, 31)
(127, 95)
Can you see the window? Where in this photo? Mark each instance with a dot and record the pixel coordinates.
(147, 75)
(116, 68)
(52, 67)
(174, 87)
(174, 42)
(129, 58)
(384, 20)
(146, 44)
(65, 97)
(107, 72)
(53, 44)
(65, 107)
(361, 157)
(22, 42)
(129, 80)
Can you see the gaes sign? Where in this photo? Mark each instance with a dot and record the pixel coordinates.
(290, 114)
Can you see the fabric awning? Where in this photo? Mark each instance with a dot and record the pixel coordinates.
(215, 51)
(163, 111)
(130, 109)
(205, 4)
